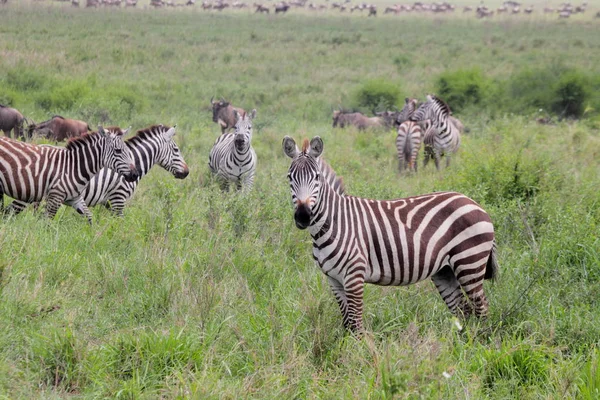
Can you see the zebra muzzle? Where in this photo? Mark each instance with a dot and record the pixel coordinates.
(132, 175)
(302, 216)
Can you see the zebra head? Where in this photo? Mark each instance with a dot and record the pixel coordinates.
(170, 157)
(410, 105)
(243, 130)
(117, 155)
(305, 177)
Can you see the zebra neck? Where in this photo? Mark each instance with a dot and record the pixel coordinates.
(329, 209)
(85, 158)
(144, 155)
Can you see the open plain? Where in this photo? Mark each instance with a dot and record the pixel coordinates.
(196, 293)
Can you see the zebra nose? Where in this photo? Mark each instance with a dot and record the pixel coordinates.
(183, 173)
(132, 175)
(302, 215)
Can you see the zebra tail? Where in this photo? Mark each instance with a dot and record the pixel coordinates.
(407, 148)
(491, 269)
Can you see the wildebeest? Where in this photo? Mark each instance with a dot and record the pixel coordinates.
(224, 115)
(360, 121)
(11, 120)
(281, 8)
(261, 8)
(58, 128)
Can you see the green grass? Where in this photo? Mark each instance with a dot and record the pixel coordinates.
(196, 293)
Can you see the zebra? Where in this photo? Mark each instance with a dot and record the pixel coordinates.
(232, 157)
(440, 134)
(31, 173)
(408, 143)
(410, 105)
(445, 236)
(153, 145)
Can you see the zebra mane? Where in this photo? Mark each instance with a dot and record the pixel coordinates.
(442, 104)
(335, 182)
(74, 142)
(149, 131)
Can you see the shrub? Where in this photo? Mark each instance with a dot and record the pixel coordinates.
(571, 94)
(462, 88)
(63, 97)
(23, 79)
(377, 94)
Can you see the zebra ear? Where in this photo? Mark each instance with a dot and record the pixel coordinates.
(252, 113)
(170, 133)
(101, 131)
(289, 147)
(126, 131)
(316, 147)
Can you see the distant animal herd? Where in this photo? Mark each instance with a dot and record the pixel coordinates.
(508, 7)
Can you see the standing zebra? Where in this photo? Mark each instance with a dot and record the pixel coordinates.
(153, 145)
(441, 136)
(232, 157)
(445, 236)
(408, 143)
(30, 173)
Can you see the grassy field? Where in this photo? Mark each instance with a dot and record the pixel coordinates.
(201, 294)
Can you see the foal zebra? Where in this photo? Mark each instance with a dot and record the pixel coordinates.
(153, 145)
(445, 236)
(30, 173)
(441, 136)
(232, 157)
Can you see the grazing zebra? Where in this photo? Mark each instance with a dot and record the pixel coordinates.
(441, 136)
(445, 236)
(30, 173)
(408, 143)
(153, 145)
(232, 157)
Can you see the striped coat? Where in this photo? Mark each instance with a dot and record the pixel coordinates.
(232, 157)
(31, 173)
(153, 145)
(443, 236)
(408, 143)
(440, 135)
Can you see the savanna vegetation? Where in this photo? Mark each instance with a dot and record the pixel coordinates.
(197, 293)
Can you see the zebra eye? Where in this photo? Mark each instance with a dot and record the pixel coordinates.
(118, 151)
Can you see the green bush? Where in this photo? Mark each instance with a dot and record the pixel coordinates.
(24, 79)
(377, 94)
(462, 88)
(62, 97)
(571, 94)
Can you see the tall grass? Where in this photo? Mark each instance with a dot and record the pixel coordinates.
(196, 293)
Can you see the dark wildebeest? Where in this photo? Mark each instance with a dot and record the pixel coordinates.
(11, 120)
(261, 8)
(58, 128)
(281, 8)
(360, 121)
(224, 115)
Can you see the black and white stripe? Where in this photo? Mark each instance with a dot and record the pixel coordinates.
(232, 157)
(31, 173)
(440, 136)
(445, 236)
(408, 143)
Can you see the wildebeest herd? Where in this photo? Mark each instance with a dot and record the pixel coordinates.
(443, 236)
(508, 7)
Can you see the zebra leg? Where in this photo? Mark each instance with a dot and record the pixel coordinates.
(53, 203)
(16, 207)
(350, 300)
(247, 184)
(426, 156)
(449, 288)
(471, 281)
(447, 159)
(82, 208)
(437, 156)
(116, 204)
